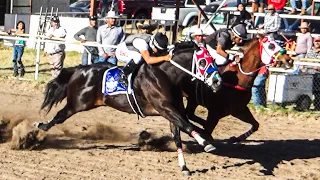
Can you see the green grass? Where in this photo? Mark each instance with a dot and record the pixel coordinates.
(29, 61)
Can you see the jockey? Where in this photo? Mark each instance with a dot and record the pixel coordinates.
(212, 77)
(142, 51)
(223, 39)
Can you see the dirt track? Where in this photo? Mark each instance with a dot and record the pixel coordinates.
(100, 144)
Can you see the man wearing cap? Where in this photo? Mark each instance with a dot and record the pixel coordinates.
(90, 34)
(54, 50)
(109, 34)
(146, 27)
(272, 22)
(223, 39)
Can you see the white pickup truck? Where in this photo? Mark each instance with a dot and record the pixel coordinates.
(188, 13)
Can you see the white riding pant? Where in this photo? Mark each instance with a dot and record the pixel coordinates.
(220, 60)
(125, 55)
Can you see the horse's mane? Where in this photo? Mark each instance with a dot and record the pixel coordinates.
(181, 47)
(249, 44)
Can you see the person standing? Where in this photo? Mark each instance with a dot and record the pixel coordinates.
(54, 50)
(259, 95)
(109, 34)
(18, 49)
(90, 34)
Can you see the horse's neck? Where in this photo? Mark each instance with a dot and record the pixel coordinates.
(184, 59)
(250, 63)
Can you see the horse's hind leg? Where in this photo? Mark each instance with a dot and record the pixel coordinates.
(246, 116)
(59, 118)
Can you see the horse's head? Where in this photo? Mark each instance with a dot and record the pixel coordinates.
(271, 52)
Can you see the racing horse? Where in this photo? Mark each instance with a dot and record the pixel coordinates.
(235, 92)
(156, 87)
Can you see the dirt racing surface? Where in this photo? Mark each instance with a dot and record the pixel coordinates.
(102, 144)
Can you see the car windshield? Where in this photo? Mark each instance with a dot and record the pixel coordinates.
(218, 19)
(80, 4)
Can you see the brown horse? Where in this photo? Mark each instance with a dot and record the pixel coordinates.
(235, 93)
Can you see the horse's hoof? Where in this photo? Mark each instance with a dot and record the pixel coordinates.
(40, 125)
(233, 140)
(185, 171)
(209, 148)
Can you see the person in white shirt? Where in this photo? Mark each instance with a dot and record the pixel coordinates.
(54, 50)
(152, 52)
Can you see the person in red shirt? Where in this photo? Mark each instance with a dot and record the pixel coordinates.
(278, 4)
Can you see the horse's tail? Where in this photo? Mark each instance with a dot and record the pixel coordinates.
(56, 89)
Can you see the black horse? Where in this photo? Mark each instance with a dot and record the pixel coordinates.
(235, 92)
(157, 90)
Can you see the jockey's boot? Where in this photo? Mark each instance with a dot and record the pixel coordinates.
(126, 70)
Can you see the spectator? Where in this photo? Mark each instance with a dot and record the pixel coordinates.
(272, 22)
(18, 49)
(244, 17)
(244, 2)
(255, 6)
(90, 34)
(146, 27)
(303, 45)
(109, 34)
(314, 53)
(259, 96)
(55, 51)
(294, 7)
(278, 5)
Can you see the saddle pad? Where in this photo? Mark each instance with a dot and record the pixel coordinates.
(111, 84)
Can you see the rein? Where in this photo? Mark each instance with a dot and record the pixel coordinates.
(273, 57)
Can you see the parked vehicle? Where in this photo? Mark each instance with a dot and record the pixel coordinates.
(80, 6)
(188, 12)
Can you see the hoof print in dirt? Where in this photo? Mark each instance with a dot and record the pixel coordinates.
(25, 136)
(147, 142)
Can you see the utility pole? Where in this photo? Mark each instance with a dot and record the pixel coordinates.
(93, 5)
(176, 26)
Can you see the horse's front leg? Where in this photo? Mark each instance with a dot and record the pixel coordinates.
(190, 111)
(246, 116)
(177, 139)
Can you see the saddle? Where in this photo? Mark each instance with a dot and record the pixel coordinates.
(115, 82)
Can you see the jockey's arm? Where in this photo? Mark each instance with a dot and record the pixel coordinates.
(153, 60)
(221, 52)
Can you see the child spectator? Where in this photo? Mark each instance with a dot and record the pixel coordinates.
(244, 17)
(18, 49)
